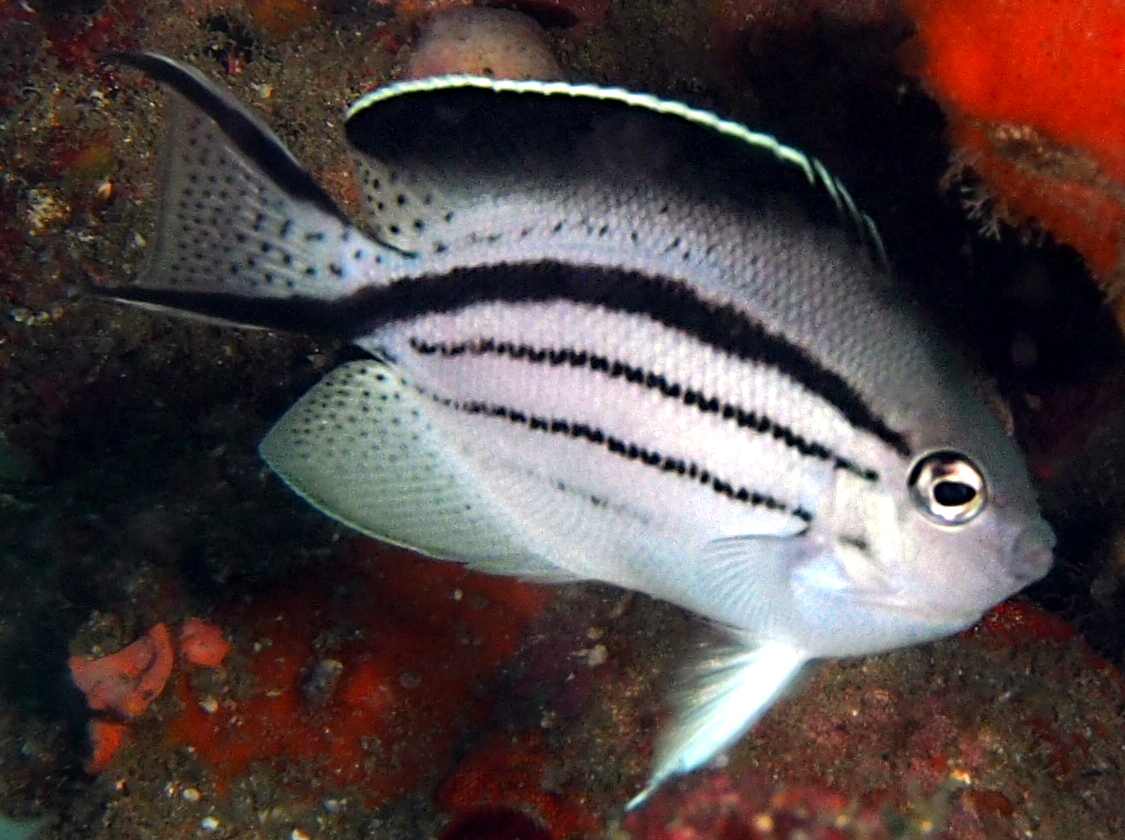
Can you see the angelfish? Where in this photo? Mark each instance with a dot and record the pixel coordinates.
(613, 338)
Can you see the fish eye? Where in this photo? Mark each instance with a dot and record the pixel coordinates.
(947, 488)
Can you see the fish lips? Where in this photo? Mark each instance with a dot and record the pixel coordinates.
(1032, 553)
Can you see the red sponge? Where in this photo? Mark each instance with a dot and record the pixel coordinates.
(1035, 94)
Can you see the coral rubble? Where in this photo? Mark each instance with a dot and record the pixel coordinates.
(366, 672)
(125, 683)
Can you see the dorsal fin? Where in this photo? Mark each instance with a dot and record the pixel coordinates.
(422, 145)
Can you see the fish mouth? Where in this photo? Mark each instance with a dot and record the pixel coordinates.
(1029, 559)
(1032, 553)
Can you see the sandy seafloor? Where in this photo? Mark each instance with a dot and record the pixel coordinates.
(132, 493)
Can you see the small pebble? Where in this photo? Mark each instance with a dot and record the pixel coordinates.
(321, 681)
(209, 824)
(191, 794)
(298, 834)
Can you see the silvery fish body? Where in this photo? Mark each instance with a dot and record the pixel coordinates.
(614, 338)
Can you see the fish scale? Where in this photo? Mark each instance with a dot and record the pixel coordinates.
(702, 456)
(699, 376)
(685, 370)
(670, 426)
(614, 338)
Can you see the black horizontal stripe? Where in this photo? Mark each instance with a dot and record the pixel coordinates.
(238, 128)
(672, 303)
(583, 431)
(741, 417)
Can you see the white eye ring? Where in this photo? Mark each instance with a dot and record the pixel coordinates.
(947, 488)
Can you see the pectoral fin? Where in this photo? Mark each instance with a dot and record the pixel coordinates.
(728, 693)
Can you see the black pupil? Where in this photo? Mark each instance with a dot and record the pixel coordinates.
(953, 493)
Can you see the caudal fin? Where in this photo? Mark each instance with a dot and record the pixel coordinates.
(245, 234)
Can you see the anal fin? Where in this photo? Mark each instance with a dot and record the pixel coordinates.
(728, 692)
(362, 447)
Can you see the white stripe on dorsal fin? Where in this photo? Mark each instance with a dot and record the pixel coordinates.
(450, 137)
(360, 447)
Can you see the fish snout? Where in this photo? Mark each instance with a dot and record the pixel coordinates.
(1032, 553)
